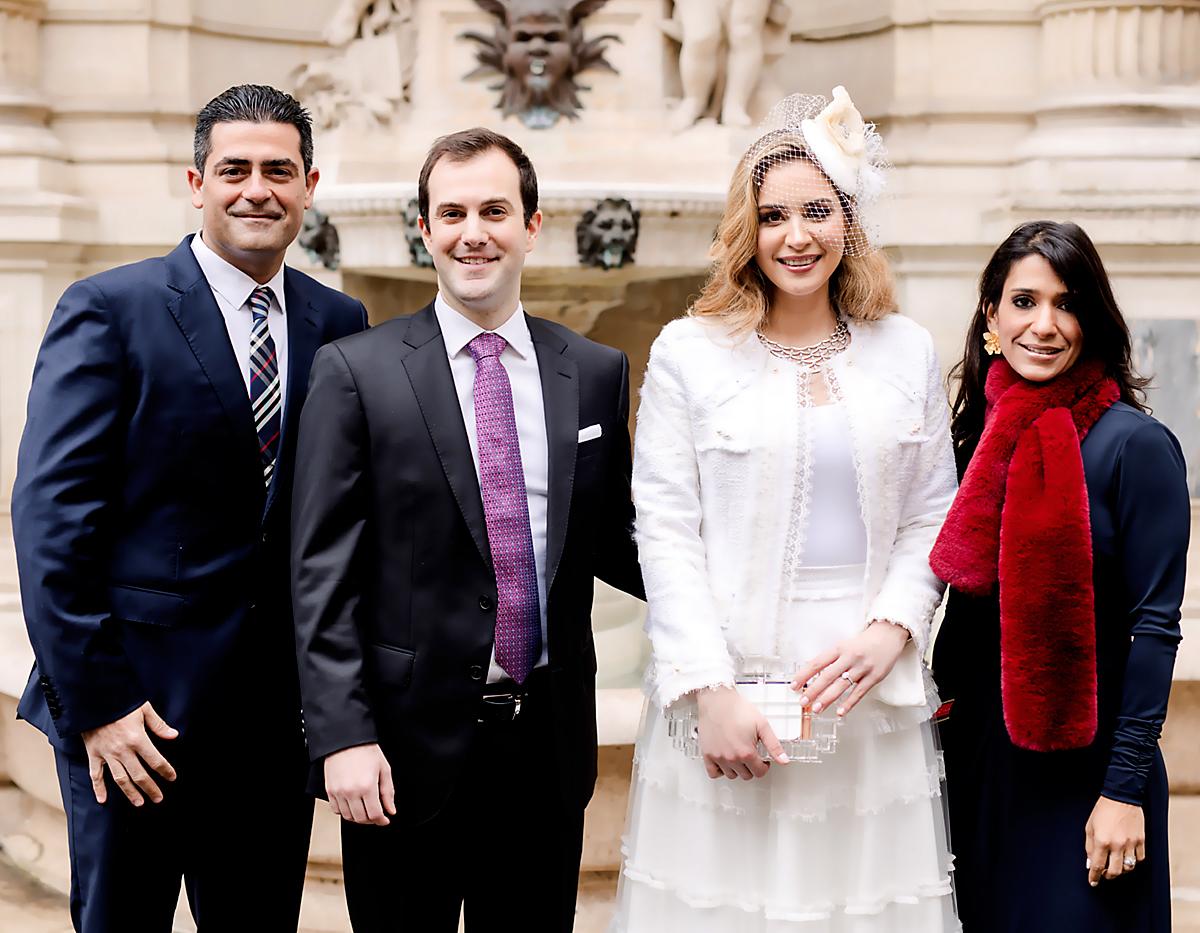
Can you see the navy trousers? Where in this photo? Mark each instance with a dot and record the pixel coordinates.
(233, 828)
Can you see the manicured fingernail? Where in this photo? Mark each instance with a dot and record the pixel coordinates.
(841, 711)
(817, 707)
(804, 699)
(1094, 884)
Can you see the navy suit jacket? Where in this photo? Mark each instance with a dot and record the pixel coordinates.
(153, 562)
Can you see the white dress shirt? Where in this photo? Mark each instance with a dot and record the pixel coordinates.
(521, 364)
(231, 287)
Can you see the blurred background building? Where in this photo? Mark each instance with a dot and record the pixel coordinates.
(634, 113)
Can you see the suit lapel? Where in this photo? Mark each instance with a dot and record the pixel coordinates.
(304, 334)
(560, 398)
(196, 312)
(428, 371)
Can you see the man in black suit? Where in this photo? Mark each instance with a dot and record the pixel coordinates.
(463, 475)
(150, 516)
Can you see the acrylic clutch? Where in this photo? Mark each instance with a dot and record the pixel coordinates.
(805, 736)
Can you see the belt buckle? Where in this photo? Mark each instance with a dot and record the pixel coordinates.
(515, 698)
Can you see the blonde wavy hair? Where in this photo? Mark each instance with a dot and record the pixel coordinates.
(739, 293)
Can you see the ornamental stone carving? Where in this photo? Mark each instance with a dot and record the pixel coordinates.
(606, 235)
(417, 253)
(723, 48)
(319, 239)
(368, 82)
(538, 49)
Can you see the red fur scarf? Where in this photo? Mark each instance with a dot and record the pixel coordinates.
(1021, 520)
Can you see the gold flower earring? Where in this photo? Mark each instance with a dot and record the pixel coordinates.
(991, 343)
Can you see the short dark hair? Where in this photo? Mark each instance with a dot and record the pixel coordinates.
(252, 103)
(1075, 260)
(466, 144)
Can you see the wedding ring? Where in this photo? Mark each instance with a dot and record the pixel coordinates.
(1129, 862)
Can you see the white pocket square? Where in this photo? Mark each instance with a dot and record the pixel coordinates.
(590, 433)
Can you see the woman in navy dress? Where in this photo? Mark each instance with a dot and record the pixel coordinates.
(1065, 551)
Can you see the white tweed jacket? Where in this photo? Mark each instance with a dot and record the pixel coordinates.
(714, 487)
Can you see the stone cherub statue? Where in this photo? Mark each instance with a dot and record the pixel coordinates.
(723, 47)
(538, 48)
(368, 81)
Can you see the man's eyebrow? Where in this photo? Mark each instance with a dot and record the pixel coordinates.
(241, 162)
(489, 202)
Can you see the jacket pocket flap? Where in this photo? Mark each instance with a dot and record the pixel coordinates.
(154, 607)
(393, 666)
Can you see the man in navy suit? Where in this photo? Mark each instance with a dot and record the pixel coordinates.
(150, 516)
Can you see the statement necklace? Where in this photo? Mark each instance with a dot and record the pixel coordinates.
(812, 355)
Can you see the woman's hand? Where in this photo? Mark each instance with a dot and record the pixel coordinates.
(1115, 839)
(730, 728)
(856, 664)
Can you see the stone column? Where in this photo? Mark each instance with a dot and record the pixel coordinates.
(36, 215)
(1119, 82)
(22, 110)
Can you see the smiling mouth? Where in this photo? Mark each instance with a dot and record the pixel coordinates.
(257, 216)
(1041, 351)
(799, 262)
(474, 260)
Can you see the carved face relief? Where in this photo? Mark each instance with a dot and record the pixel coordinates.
(538, 49)
(319, 239)
(606, 236)
(417, 253)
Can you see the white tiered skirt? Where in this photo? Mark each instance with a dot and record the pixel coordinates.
(854, 844)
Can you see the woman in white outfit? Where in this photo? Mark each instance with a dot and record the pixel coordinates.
(792, 469)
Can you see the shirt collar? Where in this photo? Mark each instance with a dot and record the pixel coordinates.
(230, 282)
(458, 330)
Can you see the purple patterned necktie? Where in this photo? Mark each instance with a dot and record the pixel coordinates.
(506, 511)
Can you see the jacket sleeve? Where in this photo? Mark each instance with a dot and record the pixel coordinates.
(688, 648)
(1153, 516)
(617, 554)
(910, 591)
(68, 477)
(330, 505)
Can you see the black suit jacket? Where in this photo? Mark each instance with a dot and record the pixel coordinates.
(153, 563)
(392, 583)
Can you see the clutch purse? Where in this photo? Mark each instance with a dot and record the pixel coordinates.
(805, 736)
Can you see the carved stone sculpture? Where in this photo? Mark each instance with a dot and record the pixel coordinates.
(538, 49)
(724, 45)
(368, 82)
(319, 239)
(417, 253)
(606, 236)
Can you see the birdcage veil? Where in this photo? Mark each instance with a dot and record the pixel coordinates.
(837, 169)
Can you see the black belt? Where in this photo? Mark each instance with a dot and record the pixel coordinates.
(501, 701)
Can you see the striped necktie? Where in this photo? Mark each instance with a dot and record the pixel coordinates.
(266, 394)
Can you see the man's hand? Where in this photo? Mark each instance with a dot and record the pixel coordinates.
(123, 746)
(358, 781)
(730, 727)
(856, 664)
(1115, 839)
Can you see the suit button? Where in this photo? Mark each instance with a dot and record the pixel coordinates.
(476, 672)
(486, 603)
